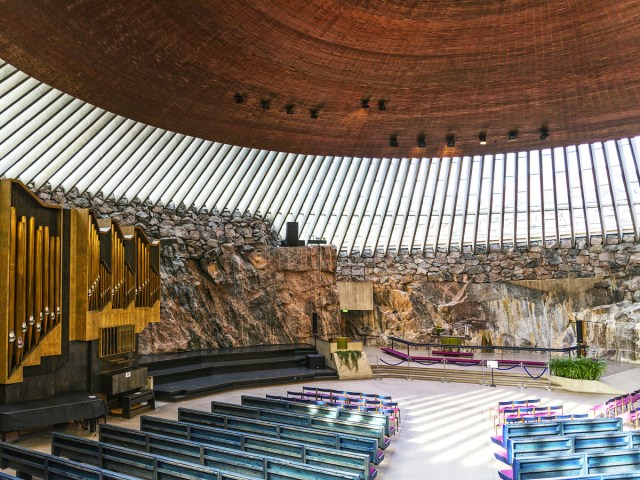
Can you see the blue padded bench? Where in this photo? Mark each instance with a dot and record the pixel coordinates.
(308, 421)
(199, 460)
(295, 452)
(534, 446)
(577, 464)
(355, 416)
(340, 441)
(42, 465)
(559, 428)
(6, 476)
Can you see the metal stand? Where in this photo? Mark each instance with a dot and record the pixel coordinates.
(548, 377)
(493, 384)
(522, 385)
(444, 371)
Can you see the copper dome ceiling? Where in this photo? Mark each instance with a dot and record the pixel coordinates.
(457, 67)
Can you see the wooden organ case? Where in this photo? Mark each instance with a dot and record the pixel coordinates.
(75, 291)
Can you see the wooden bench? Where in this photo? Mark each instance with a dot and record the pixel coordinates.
(29, 463)
(132, 400)
(301, 420)
(205, 461)
(534, 446)
(351, 443)
(367, 418)
(298, 452)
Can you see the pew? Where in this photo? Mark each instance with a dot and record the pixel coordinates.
(6, 476)
(311, 436)
(368, 418)
(192, 458)
(534, 446)
(597, 441)
(297, 452)
(41, 465)
(605, 463)
(138, 464)
(566, 427)
(320, 423)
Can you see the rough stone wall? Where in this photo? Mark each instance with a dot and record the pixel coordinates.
(515, 297)
(225, 282)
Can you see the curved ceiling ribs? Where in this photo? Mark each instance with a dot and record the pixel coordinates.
(357, 203)
(460, 67)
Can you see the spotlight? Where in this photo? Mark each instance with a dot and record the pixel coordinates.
(289, 108)
(483, 138)
(513, 135)
(544, 133)
(382, 104)
(451, 141)
(239, 98)
(422, 141)
(393, 140)
(265, 104)
(364, 103)
(314, 112)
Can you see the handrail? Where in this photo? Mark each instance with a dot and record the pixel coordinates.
(488, 347)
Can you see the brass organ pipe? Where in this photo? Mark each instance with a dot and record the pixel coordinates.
(45, 281)
(58, 279)
(12, 334)
(21, 251)
(38, 285)
(29, 314)
(50, 279)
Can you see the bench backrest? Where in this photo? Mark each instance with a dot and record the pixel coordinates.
(340, 441)
(262, 446)
(585, 443)
(619, 461)
(43, 465)
(527, 468)
(368, 418)
(537, 446)
(518, 430)
(300, 420)
(591, 425)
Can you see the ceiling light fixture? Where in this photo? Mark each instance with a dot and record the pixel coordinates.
(239, 98)
(483, 138)
(266, 104)
(289, 108)
(364, 103)
(382, 104)
(513, 135)
(544, 132)
(451, 141)
(314, 112)
(422, 143)
(393, 140)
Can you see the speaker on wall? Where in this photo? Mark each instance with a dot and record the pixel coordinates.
(314, 323)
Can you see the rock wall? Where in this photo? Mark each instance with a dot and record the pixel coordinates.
(516, 297)
(225, 282)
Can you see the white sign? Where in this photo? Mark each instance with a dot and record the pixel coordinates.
(128, 374)
(492, 363)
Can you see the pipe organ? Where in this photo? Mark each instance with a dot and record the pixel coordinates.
(31, 277)
(68, 278)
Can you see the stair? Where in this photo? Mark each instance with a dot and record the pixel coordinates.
(182, 375)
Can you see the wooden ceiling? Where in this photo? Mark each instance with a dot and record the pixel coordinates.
(443, 67)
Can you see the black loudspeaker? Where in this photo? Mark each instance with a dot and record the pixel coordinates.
(579, 332)
(292, 233)
(314, 323)
(315, 362)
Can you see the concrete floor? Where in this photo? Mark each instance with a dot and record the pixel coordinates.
(445, 431)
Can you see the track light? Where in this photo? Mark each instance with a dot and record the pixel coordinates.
(289, 108)
(513, 135)
(382, 104)
(314, 112)
(393, 140)
(544, 133)
(364, 103)
(422, 141)
(483, 138)
(239, 98)
(451, 141)
(266, 104)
